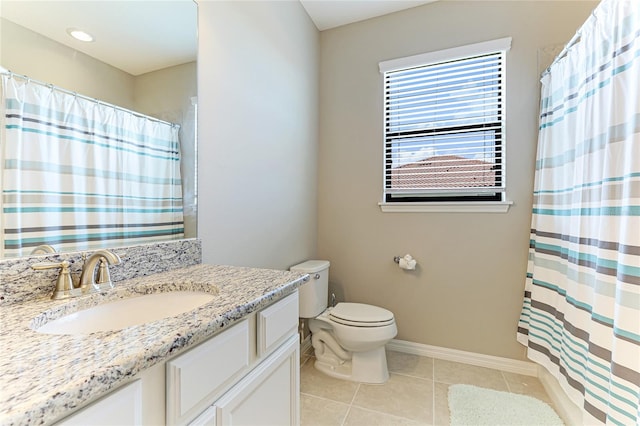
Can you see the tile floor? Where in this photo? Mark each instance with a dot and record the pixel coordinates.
(416, 393)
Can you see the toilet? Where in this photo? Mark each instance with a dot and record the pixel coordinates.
(348, 339)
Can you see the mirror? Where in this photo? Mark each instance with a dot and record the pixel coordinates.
(143, 58)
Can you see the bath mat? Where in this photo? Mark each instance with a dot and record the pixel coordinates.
(471, 405)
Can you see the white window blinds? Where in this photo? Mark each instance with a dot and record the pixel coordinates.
(444, 125)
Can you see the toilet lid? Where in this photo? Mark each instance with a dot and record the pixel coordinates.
(361, 315)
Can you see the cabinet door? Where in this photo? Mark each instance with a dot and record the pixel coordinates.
(208, 418)
(121, 407)
(269, 395)
(276, 323)
(196, 378)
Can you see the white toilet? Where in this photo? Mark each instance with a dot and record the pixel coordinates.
(348, 339)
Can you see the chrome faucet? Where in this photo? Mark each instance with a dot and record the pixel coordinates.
(92, 281)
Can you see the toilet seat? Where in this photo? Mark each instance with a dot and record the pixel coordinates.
(361, 315)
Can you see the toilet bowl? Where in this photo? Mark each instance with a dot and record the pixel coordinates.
(348, 339)
(350, 348)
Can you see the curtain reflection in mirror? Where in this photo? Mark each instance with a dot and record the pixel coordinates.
(77, 172)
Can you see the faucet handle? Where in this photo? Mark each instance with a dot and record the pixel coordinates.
(64, 283)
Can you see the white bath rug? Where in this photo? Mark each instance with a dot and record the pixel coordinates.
(471, 405)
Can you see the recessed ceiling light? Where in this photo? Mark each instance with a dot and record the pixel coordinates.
(80, 35)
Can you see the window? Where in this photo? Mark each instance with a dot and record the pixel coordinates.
(444, 125)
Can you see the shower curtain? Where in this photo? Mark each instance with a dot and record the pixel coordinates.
(581, 312)
(79, 174)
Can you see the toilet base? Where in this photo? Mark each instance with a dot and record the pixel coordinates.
(363, 367)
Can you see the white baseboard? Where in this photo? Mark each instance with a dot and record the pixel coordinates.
(570, 413)
(498, 363)
(305, 345)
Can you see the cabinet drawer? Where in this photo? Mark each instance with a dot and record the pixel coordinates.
(121, 407)
(195, 378)
(276, 323)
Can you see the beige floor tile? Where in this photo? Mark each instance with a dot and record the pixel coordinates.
(441, 416)
(401, 396)
(410, 365)
(316, 383)
(457, 373)
(321, 412)
(410, 397)
(361, 417)
(526, 385)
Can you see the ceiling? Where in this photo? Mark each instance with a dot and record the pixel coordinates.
(327, 14)
(136, 36)
(139, 36)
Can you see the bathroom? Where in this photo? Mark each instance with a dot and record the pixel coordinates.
(304, 179)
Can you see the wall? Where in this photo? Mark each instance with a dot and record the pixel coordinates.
(165, 92)
(467, 292)
(257, 132)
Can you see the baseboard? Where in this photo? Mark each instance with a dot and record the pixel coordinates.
(497, 363)
(570, 413)
(305, 345)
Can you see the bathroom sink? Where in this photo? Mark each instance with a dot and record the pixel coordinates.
(124, 313)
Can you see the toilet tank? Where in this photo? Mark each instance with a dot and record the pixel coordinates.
(313, 294)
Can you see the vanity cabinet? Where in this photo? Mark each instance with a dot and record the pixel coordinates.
(197, 377)
(248, 374)
(266, 396)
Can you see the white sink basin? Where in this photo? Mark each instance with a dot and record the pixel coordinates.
(124, 313)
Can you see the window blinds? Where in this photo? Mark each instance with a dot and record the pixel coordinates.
(444, 128)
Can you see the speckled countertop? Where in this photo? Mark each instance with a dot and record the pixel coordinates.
(43, 377)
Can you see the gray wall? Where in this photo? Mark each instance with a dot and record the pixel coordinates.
(258, 66)
(467, 292)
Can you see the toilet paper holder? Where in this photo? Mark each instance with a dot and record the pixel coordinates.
(405, 262)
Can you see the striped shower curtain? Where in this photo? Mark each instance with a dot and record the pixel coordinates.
(78, 174)
(581, 312)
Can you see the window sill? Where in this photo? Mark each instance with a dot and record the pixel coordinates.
(447, 207)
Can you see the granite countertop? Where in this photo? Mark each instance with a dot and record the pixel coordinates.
(43, 377)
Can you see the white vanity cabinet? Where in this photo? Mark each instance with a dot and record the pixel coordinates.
(246, 375)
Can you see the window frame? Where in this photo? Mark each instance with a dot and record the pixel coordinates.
(488, 202)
